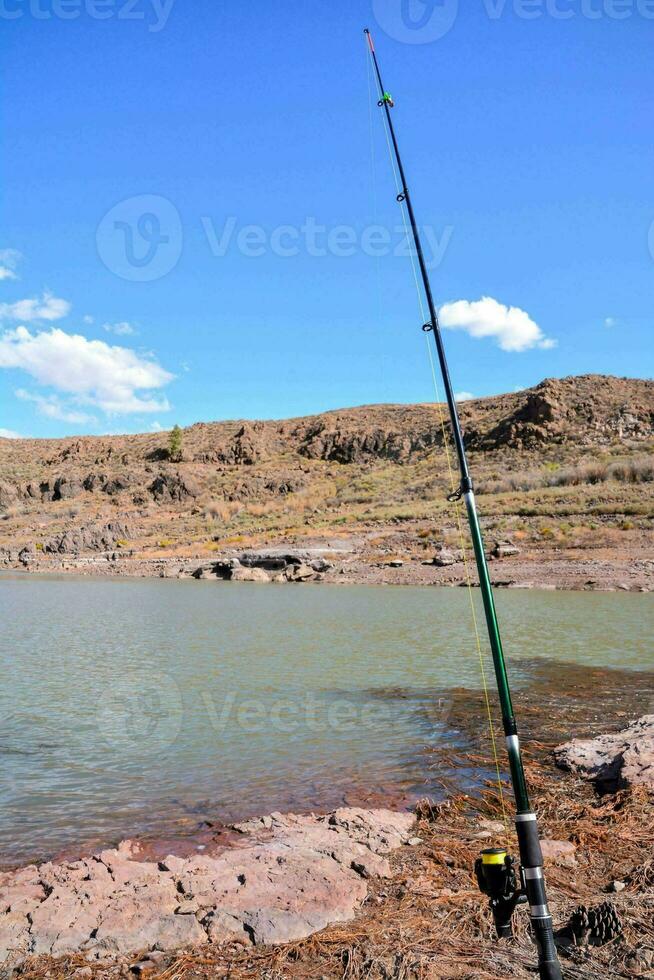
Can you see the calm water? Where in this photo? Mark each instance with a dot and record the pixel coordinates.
(128, 706)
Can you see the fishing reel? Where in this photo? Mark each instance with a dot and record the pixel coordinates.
(496, 876)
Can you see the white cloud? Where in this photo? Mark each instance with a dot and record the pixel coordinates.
(9, 259)
(10, 434)
(123, 329)
(463, 396)
(156, 427)
(510, 327)
(88, 320)
(52, 408)
(49, 307)
(114, 379)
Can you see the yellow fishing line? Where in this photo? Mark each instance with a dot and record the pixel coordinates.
(453, 484)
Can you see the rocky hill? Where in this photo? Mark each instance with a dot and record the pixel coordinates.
(536, 453)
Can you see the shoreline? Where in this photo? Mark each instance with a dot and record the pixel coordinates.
(243, 885)
(561, 700)
(223, 897)
(307, 894)
(581, 572)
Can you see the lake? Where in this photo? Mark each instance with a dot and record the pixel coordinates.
(138, 706)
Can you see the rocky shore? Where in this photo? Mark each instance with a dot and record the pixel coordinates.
(345, 563)
(389, 895)
(281, 878)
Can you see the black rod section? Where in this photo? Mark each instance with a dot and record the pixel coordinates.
(526, 827)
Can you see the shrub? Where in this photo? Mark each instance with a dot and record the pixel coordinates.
(639, 470)
(175, 444)
(223, 511)
(574, 476)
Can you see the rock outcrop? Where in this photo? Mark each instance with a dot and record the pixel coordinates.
(287, 877)
(8, 496)
(90, 538)
(504, 549)
(270, 565)
(591, 409)
(343, 442)
(613, 761)
(246, 447)
(66, 488)
(172, 488)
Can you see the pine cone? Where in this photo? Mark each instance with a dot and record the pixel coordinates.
(598, 925)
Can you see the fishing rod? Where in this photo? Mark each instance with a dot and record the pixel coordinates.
(494, 869)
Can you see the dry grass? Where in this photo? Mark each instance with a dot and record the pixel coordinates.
(636, 470)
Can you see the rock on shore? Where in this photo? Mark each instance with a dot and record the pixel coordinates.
(614, 761)
(287, 877)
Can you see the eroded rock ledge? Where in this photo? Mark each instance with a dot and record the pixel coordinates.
(613, 761)
(287, 877)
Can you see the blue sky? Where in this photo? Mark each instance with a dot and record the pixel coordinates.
(189, 188)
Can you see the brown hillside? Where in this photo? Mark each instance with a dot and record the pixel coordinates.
(536, 453)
